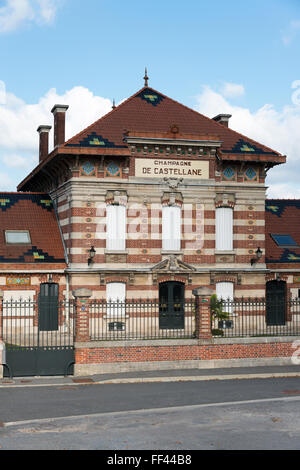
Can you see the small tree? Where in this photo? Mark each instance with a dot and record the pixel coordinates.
(217, 313)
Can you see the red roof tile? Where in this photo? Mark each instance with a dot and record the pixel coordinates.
(141, 115)
(282, 218)
(31, 212)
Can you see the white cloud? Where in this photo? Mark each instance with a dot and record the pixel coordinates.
(19, 121)
(291, 32)
(6, 182)
(12, 160)
(15, 13)
(278, 129)
(233, 90)
(2, 92)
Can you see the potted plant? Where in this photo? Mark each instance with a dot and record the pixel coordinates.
(217, 313)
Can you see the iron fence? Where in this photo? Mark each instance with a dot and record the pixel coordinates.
(141, 319)
(257, 317)
(29, 324)
(25, 323)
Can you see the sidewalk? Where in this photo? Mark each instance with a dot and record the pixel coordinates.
(183, 375)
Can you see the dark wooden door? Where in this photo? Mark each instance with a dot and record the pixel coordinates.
(48, 307)
(171, 305)
(276, 303)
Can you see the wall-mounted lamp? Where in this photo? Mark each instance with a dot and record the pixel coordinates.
(258, 254)
(50, 278)
(92, 253)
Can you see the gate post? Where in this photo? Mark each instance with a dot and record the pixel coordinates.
(203, 315)
(2, 358)
(82, 297)
(1, 313)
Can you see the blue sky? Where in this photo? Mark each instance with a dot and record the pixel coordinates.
(235, 56)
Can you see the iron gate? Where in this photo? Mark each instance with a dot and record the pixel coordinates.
(38, 337)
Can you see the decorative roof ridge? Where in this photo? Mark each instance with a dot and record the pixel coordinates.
(284, 199)
(22, 193)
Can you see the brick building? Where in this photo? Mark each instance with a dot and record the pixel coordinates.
(152, 200)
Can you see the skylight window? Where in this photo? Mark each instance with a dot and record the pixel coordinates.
(17, 237)
(284, 241)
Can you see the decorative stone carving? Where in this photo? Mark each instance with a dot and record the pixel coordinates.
(225, 200)
(228, 258)
(116, 258)
(173, 182)
(116, 198)
(172, 264)
(172, 199)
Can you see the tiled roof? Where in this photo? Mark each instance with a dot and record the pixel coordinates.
(151, 111)
(282, 218)
(31, 212)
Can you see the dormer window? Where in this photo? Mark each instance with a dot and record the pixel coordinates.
(17, 237)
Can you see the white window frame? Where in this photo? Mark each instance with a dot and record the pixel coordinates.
(224, 229)
(15, 232)
(225, 291)
(171, 228)
(115, 299)
(115, 227)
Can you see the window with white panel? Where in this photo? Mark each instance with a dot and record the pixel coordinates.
(224, 290)
(224, 229)
(171, 228)
(115, 227)
(115, 298)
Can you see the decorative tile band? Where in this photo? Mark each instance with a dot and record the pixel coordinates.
(18, 281)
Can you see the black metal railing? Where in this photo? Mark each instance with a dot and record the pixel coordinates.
(25, 323)
(257, 317)
(30, 324)
(141, 319)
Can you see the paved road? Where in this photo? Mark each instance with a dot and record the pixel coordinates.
(227, 414)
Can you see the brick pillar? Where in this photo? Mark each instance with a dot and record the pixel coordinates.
(2, 353)
(82, 297)
(203, 315)
(1, 310)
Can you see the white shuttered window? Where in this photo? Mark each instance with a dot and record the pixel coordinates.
(115, 227)
(224, 229)
(224, 290)
(115, 297)
(171, 228)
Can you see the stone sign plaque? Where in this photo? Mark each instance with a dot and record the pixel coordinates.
(164, 168)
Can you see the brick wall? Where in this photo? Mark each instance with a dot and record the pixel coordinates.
(148, 352)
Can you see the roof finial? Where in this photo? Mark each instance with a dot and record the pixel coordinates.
(114, 104)
(146, 78)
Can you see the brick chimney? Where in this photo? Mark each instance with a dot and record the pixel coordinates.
(222, 119)
(44, 141)
(59, 112)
